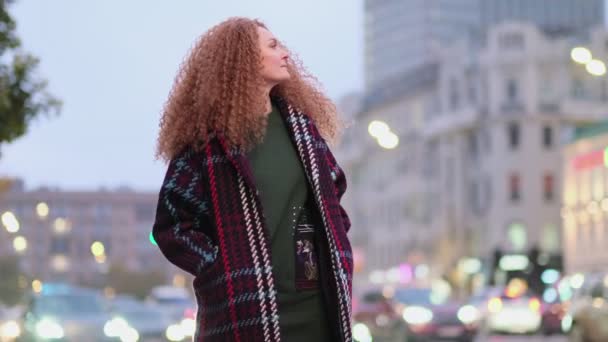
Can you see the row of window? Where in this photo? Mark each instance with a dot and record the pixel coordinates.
(514, 136)
(513, 133)
(515, 191)
(512, 97)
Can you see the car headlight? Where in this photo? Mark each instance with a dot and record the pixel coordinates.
(468, 314)
(129, 335)
(188, 326)
(49, 329)
(175, 333)
(115, 327)
(361, 333)
(9, 330)
(567, 323)
(416, 315)
(119, 327)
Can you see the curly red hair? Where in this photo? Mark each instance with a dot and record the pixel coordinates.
(217, 90)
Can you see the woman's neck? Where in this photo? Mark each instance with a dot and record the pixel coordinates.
(267, 101)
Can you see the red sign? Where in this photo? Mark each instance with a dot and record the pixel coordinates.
(589, 160)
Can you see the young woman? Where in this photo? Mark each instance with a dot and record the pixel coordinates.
(250, 204)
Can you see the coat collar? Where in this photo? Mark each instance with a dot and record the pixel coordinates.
(238, 156)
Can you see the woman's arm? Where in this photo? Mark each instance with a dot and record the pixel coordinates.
(337, 174)
(182, 217)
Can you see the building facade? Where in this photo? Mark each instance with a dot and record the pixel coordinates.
(552, 17)
(78, 236)
(483, 158)
(585, 200)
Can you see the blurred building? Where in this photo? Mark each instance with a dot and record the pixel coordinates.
(77, 236)
(585, 205)
(553, 17)
(478, 165)
(497, 139)
(402, 36)
(388, 204)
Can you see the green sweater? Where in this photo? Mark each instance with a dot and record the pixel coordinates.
(283, 189)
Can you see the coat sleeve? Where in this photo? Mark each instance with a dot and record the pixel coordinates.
(182, 218)
(337, 174)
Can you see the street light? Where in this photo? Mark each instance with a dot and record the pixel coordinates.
(10, 222)
(596, 67)
(61, 225)
(42, 210)
(581, 55)
(20, 244)
(97, 249)
(381, 131)
(377, 128)
(37, 285)
(388, 140)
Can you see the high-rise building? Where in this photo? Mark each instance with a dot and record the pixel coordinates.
(400, 35)
(403, 37)
(553, 17)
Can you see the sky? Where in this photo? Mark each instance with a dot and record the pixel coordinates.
(112, 63)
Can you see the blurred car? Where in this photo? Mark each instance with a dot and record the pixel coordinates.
(553, 311)
(184, 329)
(176, 301)
(66, 313)
(376, 312)
(480, 300)
(150, 321)
(430, 316)
(589, 320)
(9, 323)
(514, 314)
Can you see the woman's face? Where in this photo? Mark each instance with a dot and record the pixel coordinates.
(274, 58)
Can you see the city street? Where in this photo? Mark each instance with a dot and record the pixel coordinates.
(539, 338)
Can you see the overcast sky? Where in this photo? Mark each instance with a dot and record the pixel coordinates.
(112, 64)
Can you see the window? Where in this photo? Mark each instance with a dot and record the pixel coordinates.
(59, 245)
(454, 98)
(511, 40)
(518, 236)
(547, 136)
(473, 146)
(513, 133)
(548, 187)
(512, 90)
(514, 187)
(578, 89)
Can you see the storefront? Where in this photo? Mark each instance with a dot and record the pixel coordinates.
(585, 200)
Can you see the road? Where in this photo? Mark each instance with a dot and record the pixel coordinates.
(536, 338)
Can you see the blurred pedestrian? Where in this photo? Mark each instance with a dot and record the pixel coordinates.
(250, 204)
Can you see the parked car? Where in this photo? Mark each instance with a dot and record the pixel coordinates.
(376, 312)
(430, 317)
(553, 311)
(590, 314)
(66, 313)
(150, 321)
(514, 314)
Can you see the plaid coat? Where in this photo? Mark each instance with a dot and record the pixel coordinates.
(209, 222)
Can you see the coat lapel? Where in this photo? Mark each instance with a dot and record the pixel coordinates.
(238, 158)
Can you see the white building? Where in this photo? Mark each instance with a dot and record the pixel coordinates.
(479, 162)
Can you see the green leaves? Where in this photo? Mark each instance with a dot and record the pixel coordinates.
(23, 95)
